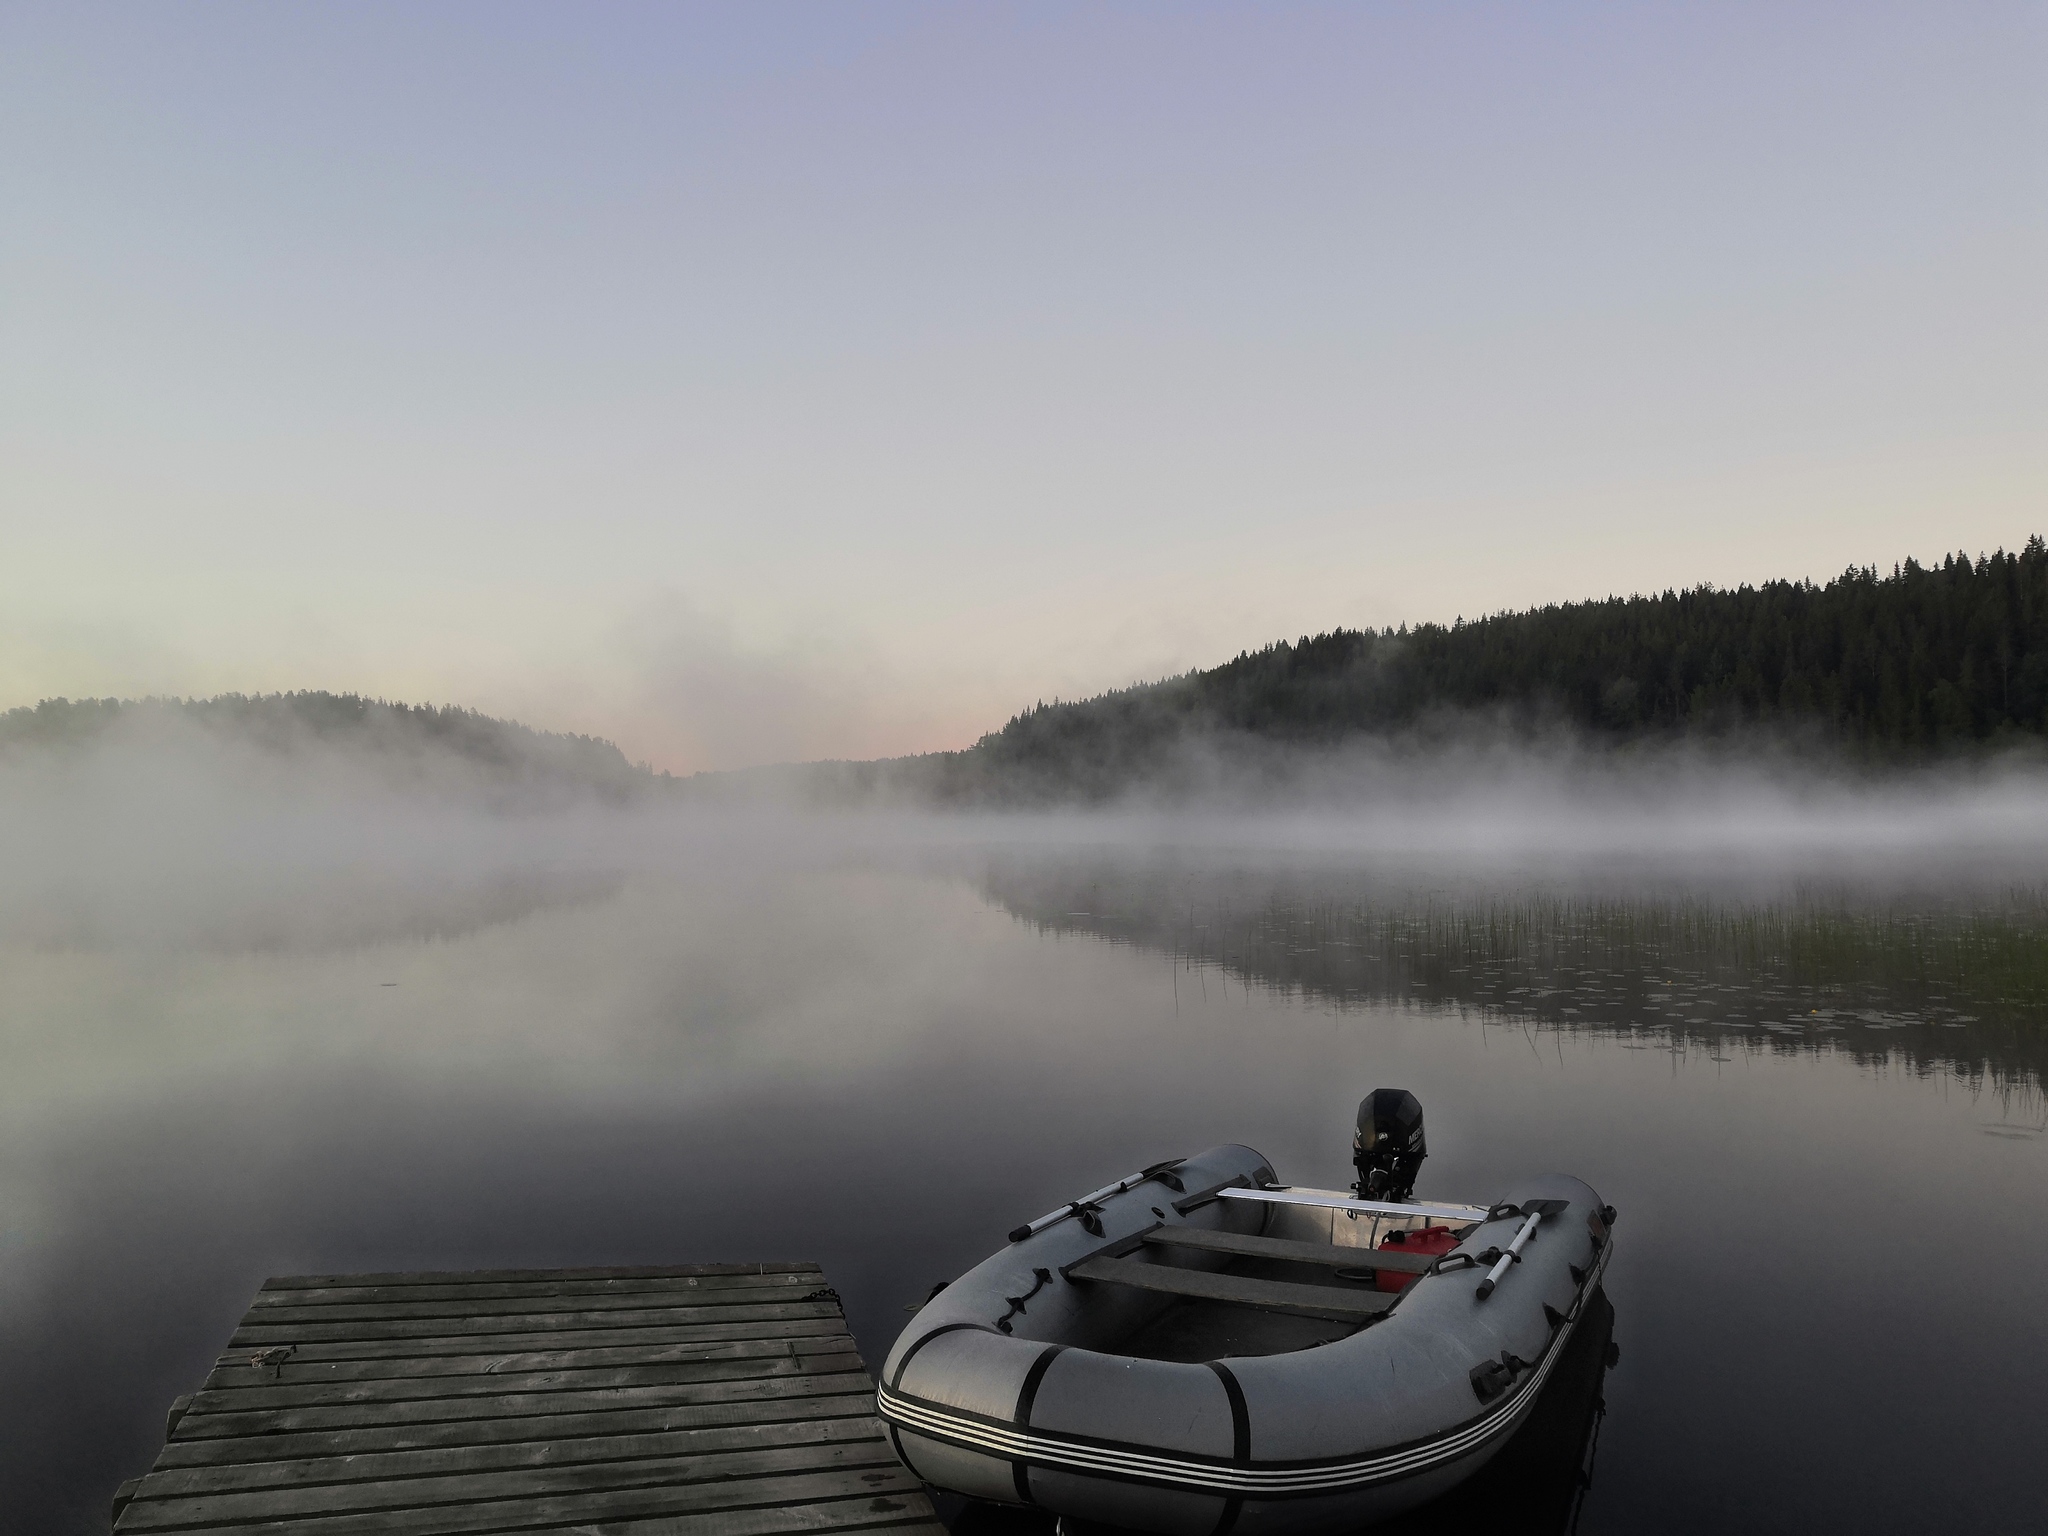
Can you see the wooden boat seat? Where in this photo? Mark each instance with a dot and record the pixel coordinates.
(1328, 1255)
(1325, 1301)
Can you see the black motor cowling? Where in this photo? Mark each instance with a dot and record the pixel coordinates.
(1389, 1149)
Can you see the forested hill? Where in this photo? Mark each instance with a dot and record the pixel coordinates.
(417, 742)
(1927, 659)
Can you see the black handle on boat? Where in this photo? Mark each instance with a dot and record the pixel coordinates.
(1085, 1207)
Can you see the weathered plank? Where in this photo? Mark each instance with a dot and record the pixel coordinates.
(884, 1513)
(706, 1301)
(238, 1372)
(275, 1330)
(518, 1405)
(257, 1448)
(878, 1514)
(689, 1373)
(501, 1290)
(717, 1448)
(692, 1401)
(877, 1487)
(434, 1346)
(492, 1276)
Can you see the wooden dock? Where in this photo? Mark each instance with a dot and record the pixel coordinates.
(679, 1400)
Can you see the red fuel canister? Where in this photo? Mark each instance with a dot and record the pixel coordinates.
(1429, 1242)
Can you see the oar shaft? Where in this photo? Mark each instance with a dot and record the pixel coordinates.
(1129, 1181)
(1508, 1258)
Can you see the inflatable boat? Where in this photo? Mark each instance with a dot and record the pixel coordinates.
(1197, 1349)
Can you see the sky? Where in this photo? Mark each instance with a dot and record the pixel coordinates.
(764, 382)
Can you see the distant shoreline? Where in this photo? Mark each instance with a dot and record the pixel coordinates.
(1927, 664)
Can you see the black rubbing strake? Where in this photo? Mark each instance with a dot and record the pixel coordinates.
(896, 1439)
(1240, 1440)
(1026, 1396)
(1240, 1416)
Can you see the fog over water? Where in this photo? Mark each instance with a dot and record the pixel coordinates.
(313, 1010)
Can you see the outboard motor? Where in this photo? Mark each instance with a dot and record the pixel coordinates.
(1388, 1150)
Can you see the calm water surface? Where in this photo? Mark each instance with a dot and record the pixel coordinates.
(1818, 1112)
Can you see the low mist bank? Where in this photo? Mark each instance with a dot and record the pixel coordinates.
(156, 830)
(1445, 759)
(321, 746)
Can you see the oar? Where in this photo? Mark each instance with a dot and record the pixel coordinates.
(1085, 1206)
(1536, 1210)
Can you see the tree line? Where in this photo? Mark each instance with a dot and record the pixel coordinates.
(286, 722)
(1925, 660)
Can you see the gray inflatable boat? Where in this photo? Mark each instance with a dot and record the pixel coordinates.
(1197, 1349)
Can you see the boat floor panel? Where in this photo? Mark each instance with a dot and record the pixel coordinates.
(1286, 1250)
(1190, 1332)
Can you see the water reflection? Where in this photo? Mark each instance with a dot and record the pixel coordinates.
(1541, 1478)
(874, 1063)
(1955, 982)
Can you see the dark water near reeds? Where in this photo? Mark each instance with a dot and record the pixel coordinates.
(1816, 1102)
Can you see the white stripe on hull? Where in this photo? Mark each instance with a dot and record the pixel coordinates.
(1077, 1455)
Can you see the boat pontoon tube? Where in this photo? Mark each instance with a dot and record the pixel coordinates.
(1019, 1383)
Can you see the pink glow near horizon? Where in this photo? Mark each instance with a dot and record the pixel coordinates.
(753, 383)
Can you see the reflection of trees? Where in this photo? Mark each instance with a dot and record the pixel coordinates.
(1961, 987)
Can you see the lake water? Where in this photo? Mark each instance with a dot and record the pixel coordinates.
(1814, 1099)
